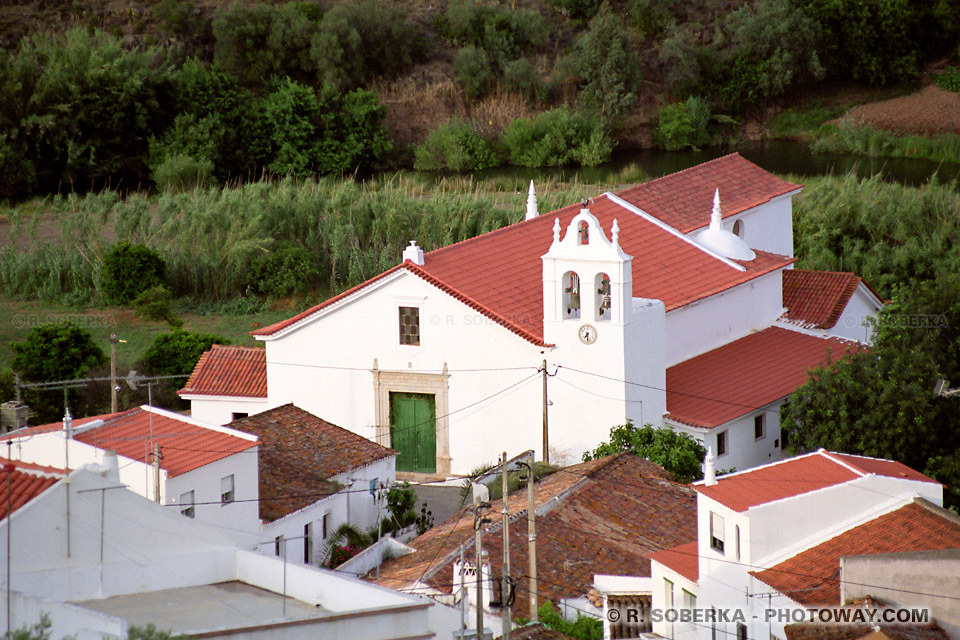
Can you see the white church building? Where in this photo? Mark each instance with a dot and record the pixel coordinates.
(667, 303)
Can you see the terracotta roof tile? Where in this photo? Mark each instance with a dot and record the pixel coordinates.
(816, 631)
(537, 631)
(185, 444)
(229, 371)
(812, 576)
(27, 481)
(684, 559)
(742, 376)
(799, 475)
(684, 199)
(500, 273)
(300, 454)
(818, 298)
(608, 516)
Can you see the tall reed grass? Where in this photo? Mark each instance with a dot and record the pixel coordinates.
(210, 237)
(873, 142)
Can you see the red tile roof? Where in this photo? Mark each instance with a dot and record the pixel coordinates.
(742, 376)
(868, 631)
(500, 273)
(602, 516)
(684, 199)
(229, 371)
(684, 559)
(27, 481)
(299, 454)
(185, 444)
(799, 475)
(818, 298)
(812, 577)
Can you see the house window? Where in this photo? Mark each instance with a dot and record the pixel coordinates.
(307, 543)
(325, 525)
(187, 504)
(237, 415)
(226, 490)
(738, 228)
(716, 532)
(689, 600)
(741, 631)
(759, 428)
(410, 325)
(373, 486)
(278, 546)
(721, 443)
(736, 530)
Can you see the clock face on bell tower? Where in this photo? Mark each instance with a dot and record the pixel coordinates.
(588, 334)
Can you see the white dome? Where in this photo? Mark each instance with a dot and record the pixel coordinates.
(725, 243)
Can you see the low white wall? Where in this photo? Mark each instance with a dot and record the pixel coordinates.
(66, 619)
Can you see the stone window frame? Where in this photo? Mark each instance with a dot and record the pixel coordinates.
(436, 384)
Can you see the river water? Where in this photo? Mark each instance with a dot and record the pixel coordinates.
(778, 157)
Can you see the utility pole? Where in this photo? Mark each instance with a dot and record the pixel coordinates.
(546, 432)
(505, 587)
(156, 472)
(481, 500)
(463, 594)
(532, 537)
(113, 371)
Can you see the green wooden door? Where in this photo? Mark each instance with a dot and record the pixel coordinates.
(413, 431)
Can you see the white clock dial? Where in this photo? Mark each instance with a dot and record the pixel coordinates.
(588, 334)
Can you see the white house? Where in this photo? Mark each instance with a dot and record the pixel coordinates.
(442, 356)
(205, 471)
(772, 538)
(99, 558)
(314, 476)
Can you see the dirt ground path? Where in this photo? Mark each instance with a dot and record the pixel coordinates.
(928, 112)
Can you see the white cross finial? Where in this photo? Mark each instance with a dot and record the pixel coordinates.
(532, 211)
(716, 217)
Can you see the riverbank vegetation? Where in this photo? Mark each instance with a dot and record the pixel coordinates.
(185, 93)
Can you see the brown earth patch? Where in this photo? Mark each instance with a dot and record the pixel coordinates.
(930, 111)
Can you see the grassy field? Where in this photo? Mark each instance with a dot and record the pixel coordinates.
(17, 318)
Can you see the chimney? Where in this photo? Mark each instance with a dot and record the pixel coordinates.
(111, 465)
(413, 253)
(709, 472)
(532, 203)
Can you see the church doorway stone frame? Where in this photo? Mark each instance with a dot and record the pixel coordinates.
(435, 384)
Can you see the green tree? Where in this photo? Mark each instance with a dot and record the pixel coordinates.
(130, 269)
(607, 67)
(678, 453)
(177, 352)
(55, 352)
(326, 133)
(558, 137)
(455, 145)
(881, 402)
(583, 628)
(150, 632)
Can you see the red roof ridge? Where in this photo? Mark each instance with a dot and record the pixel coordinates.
(229, 370)
(33, 468)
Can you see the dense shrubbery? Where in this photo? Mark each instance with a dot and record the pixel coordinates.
(684, 124)
(177, 352)
(455, 146)
(558, 137)
(130, 269)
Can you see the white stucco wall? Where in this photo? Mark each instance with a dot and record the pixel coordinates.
(712, 322)
(744, 450)
(853, 322)
(768, 227)
(361, 512)
(147, 548)
(65, 619)
(220, 409)
(773, 532)
(678, 630)
(239, 518)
